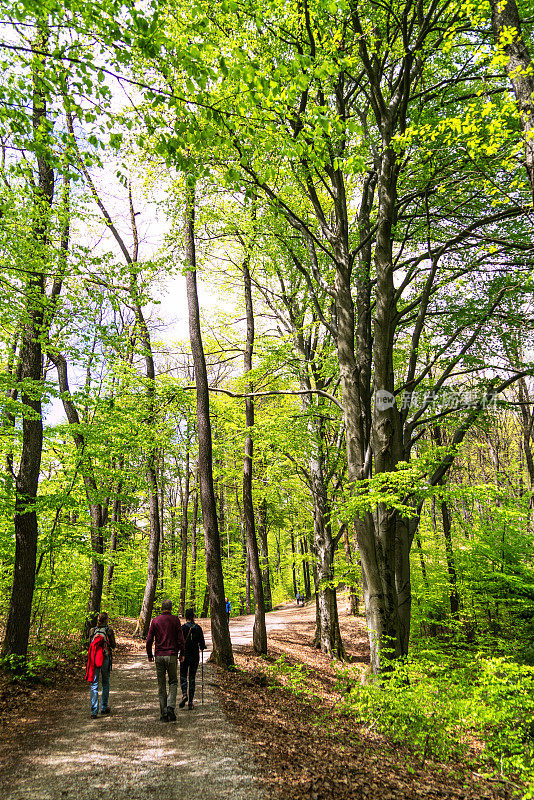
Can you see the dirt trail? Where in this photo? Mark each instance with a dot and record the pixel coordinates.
(131, 755)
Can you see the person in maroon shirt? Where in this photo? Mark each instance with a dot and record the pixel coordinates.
(166, 633)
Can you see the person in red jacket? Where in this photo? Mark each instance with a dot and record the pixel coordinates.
(165, 633)
(99, 662)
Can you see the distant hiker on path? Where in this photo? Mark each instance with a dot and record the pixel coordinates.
(228, 608)
(194, 642)
(99, 661)
(166, 632)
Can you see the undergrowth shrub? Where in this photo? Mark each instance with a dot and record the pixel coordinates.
(502, 709)
(295, 677)
(417, 705)
(438, 705)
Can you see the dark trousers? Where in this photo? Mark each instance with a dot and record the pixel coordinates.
(188, 668)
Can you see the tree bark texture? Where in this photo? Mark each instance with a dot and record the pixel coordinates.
(508, 36)
(184, 532)
(26, 483)
(259, 633)
(264, 554)
(98, 511)
(222, 646)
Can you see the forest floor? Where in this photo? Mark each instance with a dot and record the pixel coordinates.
(51, 749)
(259, 734)
(304, 744)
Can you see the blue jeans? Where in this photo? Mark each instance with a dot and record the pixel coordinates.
(103, 672)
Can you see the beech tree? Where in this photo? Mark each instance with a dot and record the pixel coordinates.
(259, 632)
(40, 298)
(222, 646)
(347, 102)
(382, 149)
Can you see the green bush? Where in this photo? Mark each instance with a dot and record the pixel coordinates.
(435, 704)
(416, 705)
(502, 709)
(295, 676)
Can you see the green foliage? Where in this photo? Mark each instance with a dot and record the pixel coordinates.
(295, 677)
(441, 701)
(418, 703)
(502, 708)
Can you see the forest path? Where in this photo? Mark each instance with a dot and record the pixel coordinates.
(131, 755)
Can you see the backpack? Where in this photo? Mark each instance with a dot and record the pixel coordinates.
(101, 645)
(193, 637)
(98, 650)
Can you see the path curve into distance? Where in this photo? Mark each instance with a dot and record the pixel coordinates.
(131, 755)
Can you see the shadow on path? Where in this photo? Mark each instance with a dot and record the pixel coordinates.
(131, 755)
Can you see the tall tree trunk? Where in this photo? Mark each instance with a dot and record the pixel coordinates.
(205, 602)
(259, 631)
(184, 531)
(193, 578)
(26, 484)
(327, 636)
(222, 646)
(98, 511)
(379, 433)
(354, 600)
(306, 565)
(293, 568)
(507, 32)
(264, 554)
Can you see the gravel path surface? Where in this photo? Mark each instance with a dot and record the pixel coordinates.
(131, 755)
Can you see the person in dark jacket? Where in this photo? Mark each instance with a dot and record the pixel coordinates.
(166, 633)
(102, 628)
(194, 643)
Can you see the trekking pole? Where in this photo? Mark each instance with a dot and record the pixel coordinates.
(202, 671)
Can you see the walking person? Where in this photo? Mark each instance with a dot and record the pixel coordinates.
(166, 633)
(99, 662)
(228, 608)
(194, 643)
